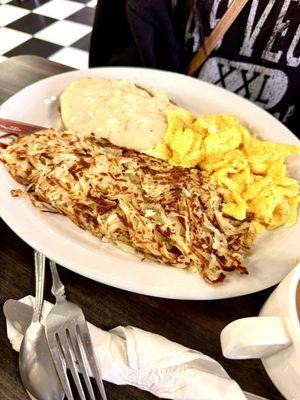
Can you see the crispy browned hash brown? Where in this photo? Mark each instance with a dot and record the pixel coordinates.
(166, 213)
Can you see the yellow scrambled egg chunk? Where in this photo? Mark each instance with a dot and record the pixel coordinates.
(253, 170)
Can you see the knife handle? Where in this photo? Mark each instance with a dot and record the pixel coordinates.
(17, 128)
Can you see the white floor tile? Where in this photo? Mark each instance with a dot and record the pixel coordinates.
(59, 9)
(10, 38)
(63, 33)
(73, 57)
(2, 58)
(92, 3)
(4, 2)
(10, 13)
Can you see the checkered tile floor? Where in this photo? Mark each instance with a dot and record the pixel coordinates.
(56, 29)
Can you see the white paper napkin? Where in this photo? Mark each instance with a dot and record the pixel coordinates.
(131, 356)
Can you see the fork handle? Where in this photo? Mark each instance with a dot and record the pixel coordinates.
(58, 288)
(39, 266)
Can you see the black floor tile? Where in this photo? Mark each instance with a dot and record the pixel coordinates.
(28, 4)
(83, 43)
(31, 23)
(83, 16)
(35, 47)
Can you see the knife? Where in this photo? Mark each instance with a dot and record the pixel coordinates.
(16, 128)
(20, 315)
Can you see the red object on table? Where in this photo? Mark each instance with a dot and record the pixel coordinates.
(17, 128)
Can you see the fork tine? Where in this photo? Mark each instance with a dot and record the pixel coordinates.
(65, 345)
(81, 362)
(57, 357)
(85, 337)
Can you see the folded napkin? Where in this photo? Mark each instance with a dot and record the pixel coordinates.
(131, 356)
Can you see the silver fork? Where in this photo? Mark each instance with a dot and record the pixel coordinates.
(70, 343)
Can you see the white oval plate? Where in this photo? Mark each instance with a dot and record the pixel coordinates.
(54, 235)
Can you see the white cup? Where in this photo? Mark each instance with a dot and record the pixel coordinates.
(274, 336)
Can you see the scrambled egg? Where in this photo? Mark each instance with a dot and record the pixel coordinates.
(253, 170)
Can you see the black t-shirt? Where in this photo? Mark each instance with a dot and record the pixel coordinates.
(258, 58)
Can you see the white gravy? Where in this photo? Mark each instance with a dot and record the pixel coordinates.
(120, 111)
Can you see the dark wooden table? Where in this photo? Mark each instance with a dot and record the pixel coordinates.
(196, 324)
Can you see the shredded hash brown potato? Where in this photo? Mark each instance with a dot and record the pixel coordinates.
(166, 213)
